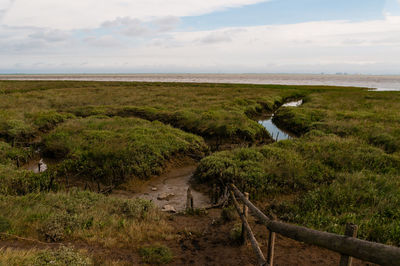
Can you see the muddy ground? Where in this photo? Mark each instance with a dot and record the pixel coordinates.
(201, 239)
(205, 240)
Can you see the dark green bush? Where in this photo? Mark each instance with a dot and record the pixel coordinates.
(156, 255)
(21, 182)
(228, 214)
(386, 141)
(61, 257)
(47, 120)
(4, 224)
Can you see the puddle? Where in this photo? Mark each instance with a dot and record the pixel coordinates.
(277, 133)
(175, 182)
(36, 165)
(293, 104)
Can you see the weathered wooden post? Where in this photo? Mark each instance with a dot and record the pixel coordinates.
(271, 248)
(214, 194)
(217, 194)
(189, 200)
(245, 214)
(351, 231)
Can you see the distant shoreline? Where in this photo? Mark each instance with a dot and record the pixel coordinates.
(381, 82)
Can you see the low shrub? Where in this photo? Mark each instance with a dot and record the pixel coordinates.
(15, 181)
(59, 257)
(228, 214)
(58, 226)
(235, 234)
(156, 254)
(46, 120)
(4, 224)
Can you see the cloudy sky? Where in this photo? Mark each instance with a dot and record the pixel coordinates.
(207, 36)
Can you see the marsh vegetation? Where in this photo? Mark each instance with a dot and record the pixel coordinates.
(344, 165)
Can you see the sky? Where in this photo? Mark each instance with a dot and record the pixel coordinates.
(207, 36)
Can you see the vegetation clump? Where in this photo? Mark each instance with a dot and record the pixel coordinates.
(74, 215)
(156, 255)
(112, 150)
(59, 257)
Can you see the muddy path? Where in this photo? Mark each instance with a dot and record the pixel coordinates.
(169, 188)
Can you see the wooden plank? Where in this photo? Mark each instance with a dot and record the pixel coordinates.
(252, 239)
(357, 248)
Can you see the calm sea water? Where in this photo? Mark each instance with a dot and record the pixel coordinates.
(378, 82)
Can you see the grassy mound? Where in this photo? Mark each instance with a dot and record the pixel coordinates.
(298, 165)
(112, 150)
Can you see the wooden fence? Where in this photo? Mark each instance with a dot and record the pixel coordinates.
(348, 246)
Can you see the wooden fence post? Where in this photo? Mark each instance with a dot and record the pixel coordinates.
(271, 244)
(245, 214)
(214, 194)
(189, 200)
(271, 247)
(351, 231)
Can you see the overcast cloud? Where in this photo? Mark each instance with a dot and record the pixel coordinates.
(150, 36)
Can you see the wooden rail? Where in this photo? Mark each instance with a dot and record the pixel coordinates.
(348, 245)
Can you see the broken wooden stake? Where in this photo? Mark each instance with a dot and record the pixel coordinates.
(351, 231)
(189, 200)
(245, 214)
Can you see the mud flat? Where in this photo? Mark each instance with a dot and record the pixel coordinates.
(169, 189)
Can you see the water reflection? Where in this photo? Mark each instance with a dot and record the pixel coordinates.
(293, 104)
(276, 133)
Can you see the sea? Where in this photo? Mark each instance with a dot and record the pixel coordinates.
(376, 82)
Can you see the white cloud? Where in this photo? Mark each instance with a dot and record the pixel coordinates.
(103, 41)
(50, 35)
(324, 46)
(61, 14)
(137, 27)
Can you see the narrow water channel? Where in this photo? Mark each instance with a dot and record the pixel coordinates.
(278, 133)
